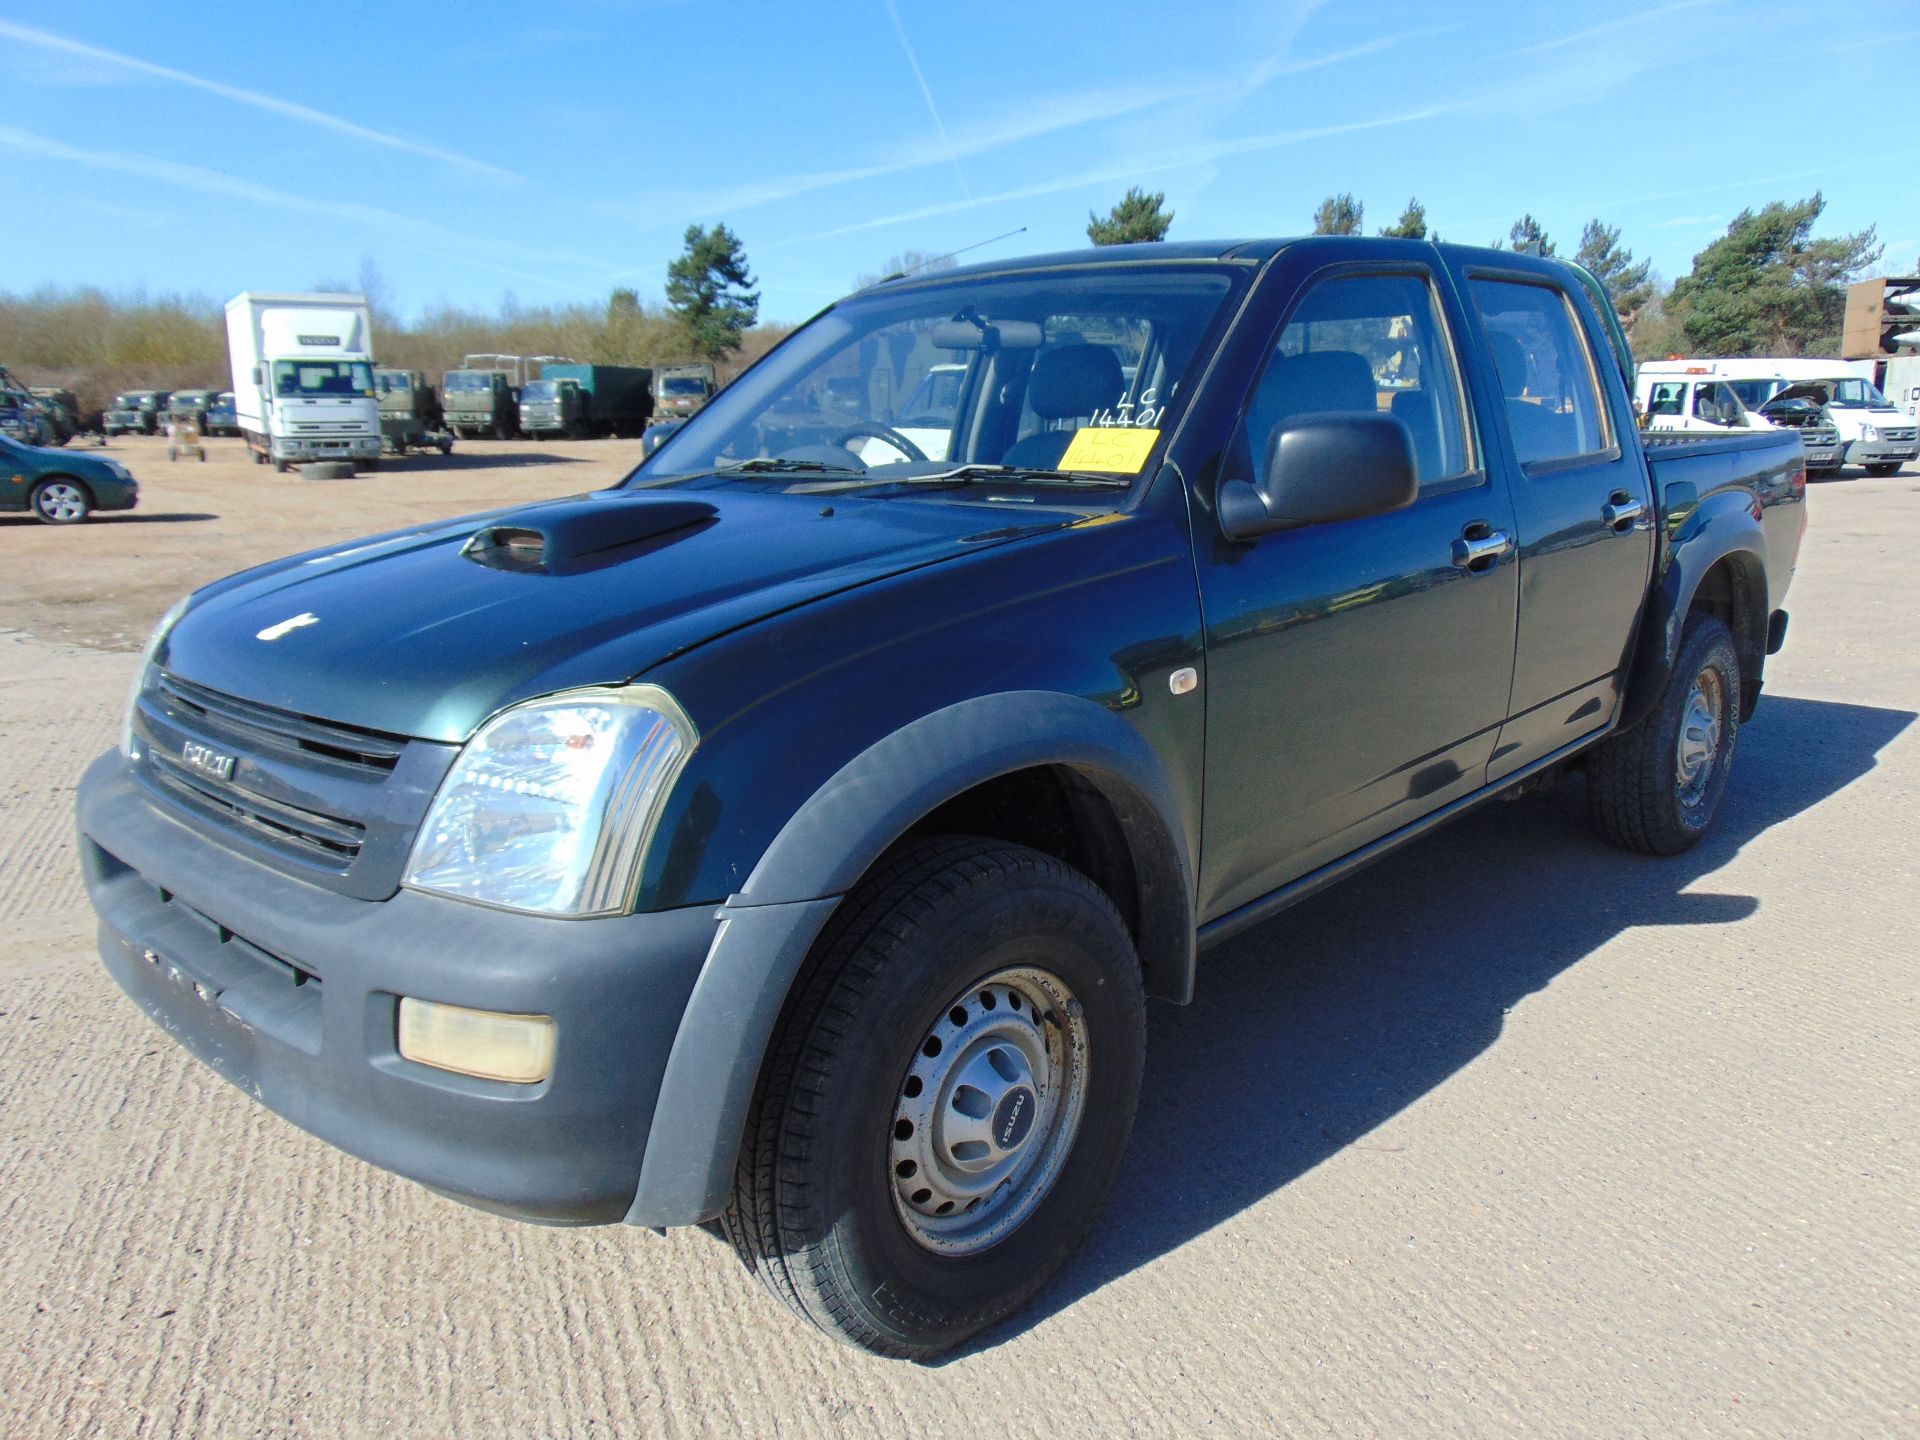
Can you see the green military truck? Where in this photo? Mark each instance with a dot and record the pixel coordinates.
(583, 401)
(190, 407)
(412, 416)
(62, 410)
(679, 390)
(136, 412)
(482, 397)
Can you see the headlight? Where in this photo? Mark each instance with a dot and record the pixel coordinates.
(146, 672)
(550, 806)
(1869, 433)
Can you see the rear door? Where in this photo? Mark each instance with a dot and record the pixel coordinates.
(1357, 672)
(1581, 496)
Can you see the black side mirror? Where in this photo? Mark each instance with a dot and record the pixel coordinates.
(1322, 468)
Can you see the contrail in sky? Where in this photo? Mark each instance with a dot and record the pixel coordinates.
(926, 90)
(46, 40)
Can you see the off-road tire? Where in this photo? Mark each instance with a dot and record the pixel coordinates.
(814, 1214)
(1633, 790)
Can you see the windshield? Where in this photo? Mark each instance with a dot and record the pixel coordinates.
(126, 402)
(392, 382)
(1857, 395)
(683, 385)
(1755, 393)
(469, 380)
(1038, 371)
(540, 390)
(322, 377)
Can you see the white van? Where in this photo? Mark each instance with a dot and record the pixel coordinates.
(1872, 432)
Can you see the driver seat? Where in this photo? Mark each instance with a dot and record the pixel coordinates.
(1068, 383)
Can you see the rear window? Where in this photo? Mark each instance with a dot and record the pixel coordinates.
(1546, 371)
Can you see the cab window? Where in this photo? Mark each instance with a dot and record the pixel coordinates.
(1546, 370)
(1668, 398)
(1367, 344)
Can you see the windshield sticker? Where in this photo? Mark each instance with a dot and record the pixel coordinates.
(1114, 450)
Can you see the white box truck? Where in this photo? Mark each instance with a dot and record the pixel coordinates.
(303, 378)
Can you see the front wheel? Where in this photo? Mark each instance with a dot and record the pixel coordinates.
(1656, 787)
(61, 502)
(947, 1099)
(1884, 467)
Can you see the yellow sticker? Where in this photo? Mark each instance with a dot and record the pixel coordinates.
(1115, 449)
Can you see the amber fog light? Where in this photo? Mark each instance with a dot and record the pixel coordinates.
(514, 1048)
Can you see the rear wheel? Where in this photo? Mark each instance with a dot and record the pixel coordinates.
(1657, 787)
(928, 1143)
(60, 501)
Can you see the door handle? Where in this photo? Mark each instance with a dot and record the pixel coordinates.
(1621, 511)
(1479, 548)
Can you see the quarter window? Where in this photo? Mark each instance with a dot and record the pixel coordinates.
(1546, 371)
(1368, 343)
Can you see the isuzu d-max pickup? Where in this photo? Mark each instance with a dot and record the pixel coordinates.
(787, 838)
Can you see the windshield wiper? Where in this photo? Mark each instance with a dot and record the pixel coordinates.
(1028, 474)
(773, 465)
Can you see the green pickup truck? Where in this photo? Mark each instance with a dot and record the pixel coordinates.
(789, 837)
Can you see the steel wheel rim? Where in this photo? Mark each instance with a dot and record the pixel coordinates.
(61, 501)
(1698, 746)
(988, 1110)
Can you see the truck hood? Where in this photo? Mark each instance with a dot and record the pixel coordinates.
(427, 632)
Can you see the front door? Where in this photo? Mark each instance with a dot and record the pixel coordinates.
(1357, 672)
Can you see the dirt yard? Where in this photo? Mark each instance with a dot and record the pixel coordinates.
(1511, 1134)
(104, 583)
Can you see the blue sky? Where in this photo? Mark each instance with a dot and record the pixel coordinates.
(557, 151)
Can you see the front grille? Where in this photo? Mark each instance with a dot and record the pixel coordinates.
(309, 835)
(332, 803)
(1898, 436)
(282, 731)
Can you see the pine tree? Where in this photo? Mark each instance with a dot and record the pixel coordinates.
(710, 288)
(1628, 285)
(1138, 217)
(1338, 215)
(1412, 224)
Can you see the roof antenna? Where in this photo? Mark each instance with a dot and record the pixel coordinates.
(903, 274)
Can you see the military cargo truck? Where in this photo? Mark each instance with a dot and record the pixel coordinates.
(482, 397)
(136, 412)
(411, 413)
(679, 390)
(582, 401)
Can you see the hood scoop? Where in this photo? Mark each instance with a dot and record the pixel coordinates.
(583, 533)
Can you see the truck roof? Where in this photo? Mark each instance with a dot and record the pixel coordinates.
(274, 297)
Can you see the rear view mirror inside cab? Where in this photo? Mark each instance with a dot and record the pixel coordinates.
(972, 332)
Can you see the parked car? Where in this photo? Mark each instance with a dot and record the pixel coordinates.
(59, 487)
(136, 412)
(788, 837)
(223, 416)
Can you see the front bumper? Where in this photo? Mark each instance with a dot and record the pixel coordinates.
(292, 992)
(325, 447)
(1881, 452)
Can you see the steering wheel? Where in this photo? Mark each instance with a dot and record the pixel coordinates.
(885, 433)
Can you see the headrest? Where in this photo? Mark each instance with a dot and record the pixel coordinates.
(1320, 380)
(1075, 380)
(1510, 360)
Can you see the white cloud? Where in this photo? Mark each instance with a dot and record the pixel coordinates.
(216, 182)
(46, 40)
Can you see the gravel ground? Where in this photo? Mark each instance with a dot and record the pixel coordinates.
(1511, 1134)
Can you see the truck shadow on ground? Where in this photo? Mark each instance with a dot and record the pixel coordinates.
(424, 461)
(1320, 1025)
